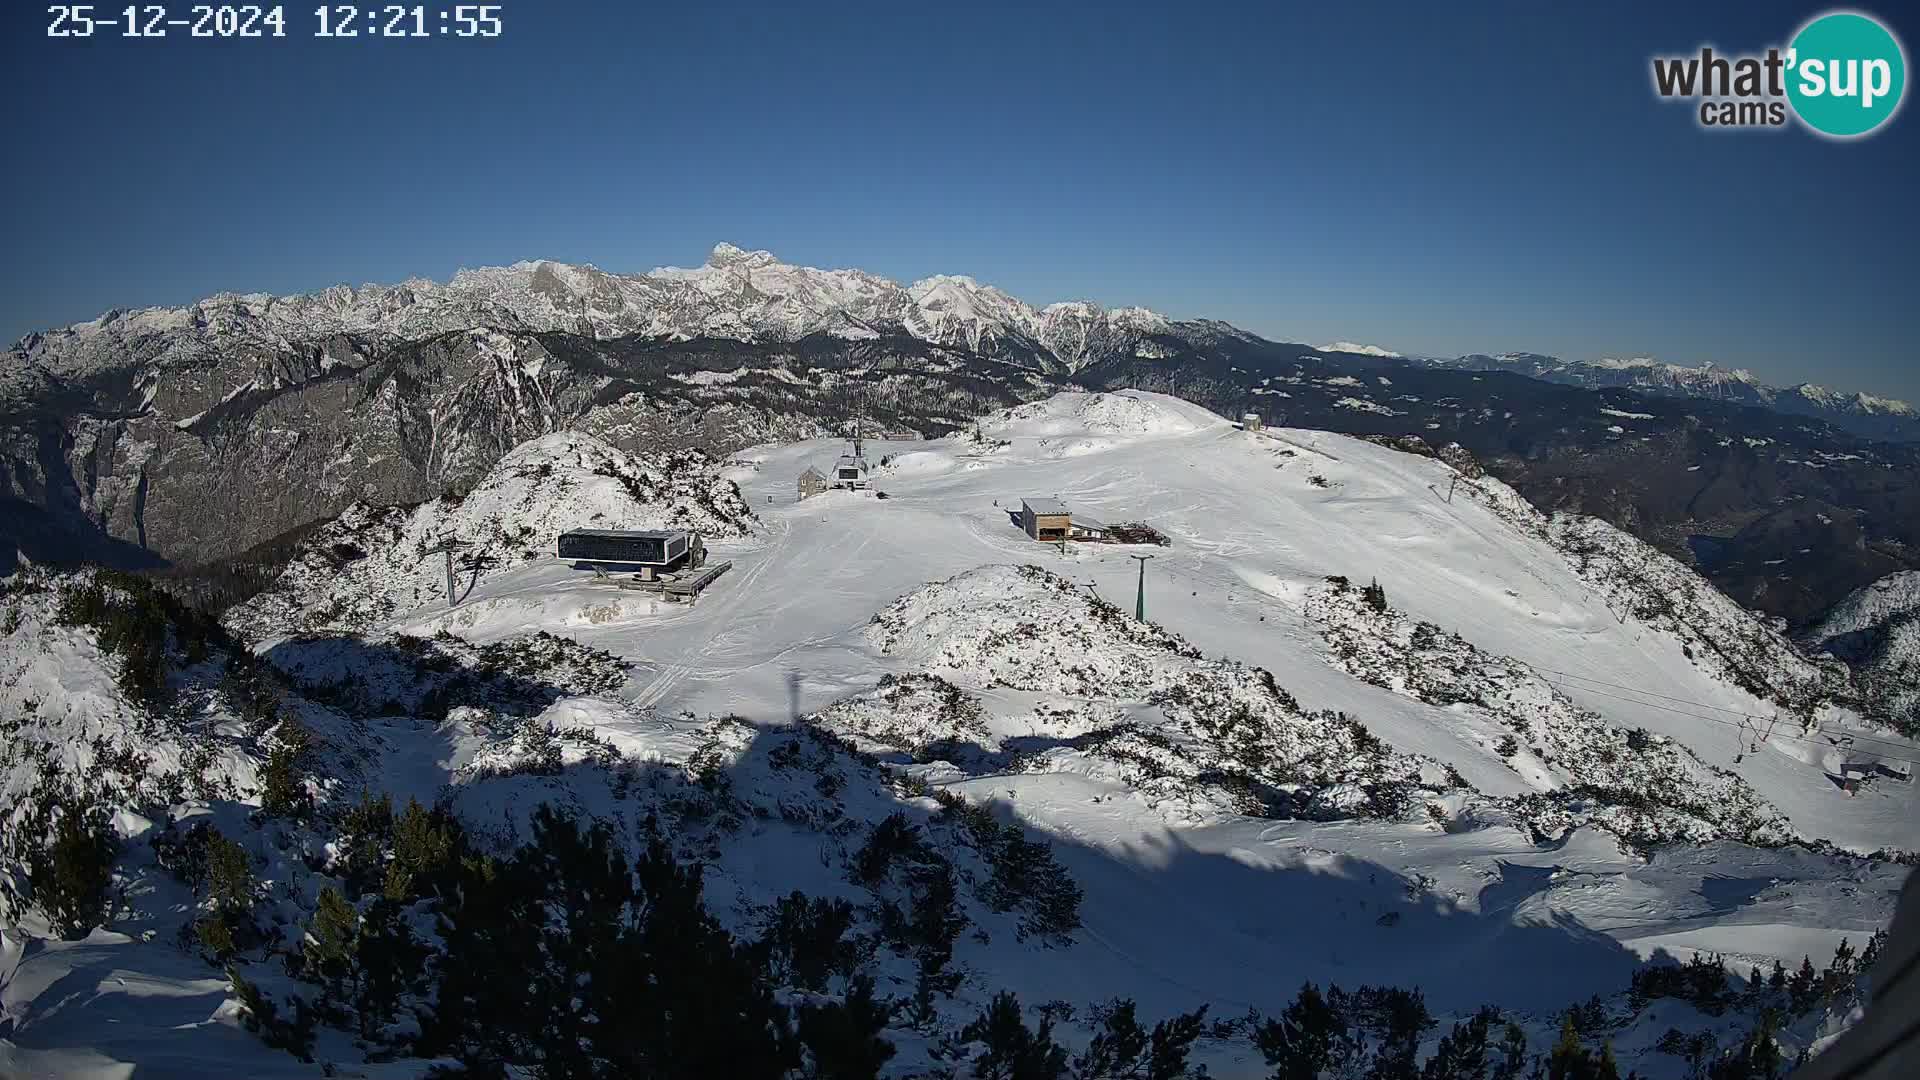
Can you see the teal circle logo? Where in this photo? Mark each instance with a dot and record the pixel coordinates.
(1846, 74)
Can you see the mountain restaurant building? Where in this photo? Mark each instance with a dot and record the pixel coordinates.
(1046, 519)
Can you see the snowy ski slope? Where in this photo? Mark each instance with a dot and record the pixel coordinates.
(1184, 904)
(1253, 532)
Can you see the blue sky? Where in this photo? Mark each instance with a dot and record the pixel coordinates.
(1429, 177)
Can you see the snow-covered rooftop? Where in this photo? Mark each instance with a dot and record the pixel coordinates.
(1046, 506)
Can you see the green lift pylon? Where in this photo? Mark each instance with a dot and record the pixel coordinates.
(1140, 597)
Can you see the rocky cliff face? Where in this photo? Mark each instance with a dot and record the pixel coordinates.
(200, 458)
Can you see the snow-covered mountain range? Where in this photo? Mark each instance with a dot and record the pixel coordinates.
(1862, 413)
(737, 295)
(123, 439)
(752, 296)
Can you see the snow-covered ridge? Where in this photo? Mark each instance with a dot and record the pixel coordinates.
(1123, 414)
(1862, 413)
(1859, 402)
(1127, 701)
(373, 562)
(1640, 582)
(738, 294)
(1868, 606)
(1877, 631)
(1357, 349)
(1640, 786)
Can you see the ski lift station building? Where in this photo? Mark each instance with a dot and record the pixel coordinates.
(1050, 521)
(648, 551)
(850, 471)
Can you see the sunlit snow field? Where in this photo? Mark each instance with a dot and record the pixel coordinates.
(1184, 907)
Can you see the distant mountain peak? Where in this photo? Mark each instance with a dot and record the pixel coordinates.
(725, 254)
(1357, 349)
(1860, 413)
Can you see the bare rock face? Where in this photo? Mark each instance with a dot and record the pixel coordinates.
(196, 432)
(196, 457)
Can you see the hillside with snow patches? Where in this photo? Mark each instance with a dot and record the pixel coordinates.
(1385, 725)
(373, 562)
(1877, 631)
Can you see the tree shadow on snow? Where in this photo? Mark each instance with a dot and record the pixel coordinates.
(410, 676)
(1167, 922)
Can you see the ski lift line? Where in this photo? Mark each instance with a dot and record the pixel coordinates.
(1717, 708)
(1734, 724)
(1744, 725)
(1648, 704)
(1648, 693)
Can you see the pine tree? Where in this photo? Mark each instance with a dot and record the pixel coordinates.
(1009, 1050)
(1871, 954)
(425, 846)
(388, 960)
(1608, 1068)
(230, 889)
(1375, 596)
(366, 832)
(1837, 980)
(806, 944)
(1511, 1058)
(1115, 1049)
(1463, 1053)
(334, 932)
(1304, 1041)
(843, 1039)
(282, 793)
(1572, 1061)
(1756, 1058)
(567, 961)
(72, 869)
(283, 790)
(933, 927)
(260, 1016)
(229, 878)
(1172, 1040)
(1802, 986)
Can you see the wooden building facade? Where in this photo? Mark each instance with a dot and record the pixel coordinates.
(1046, 519)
